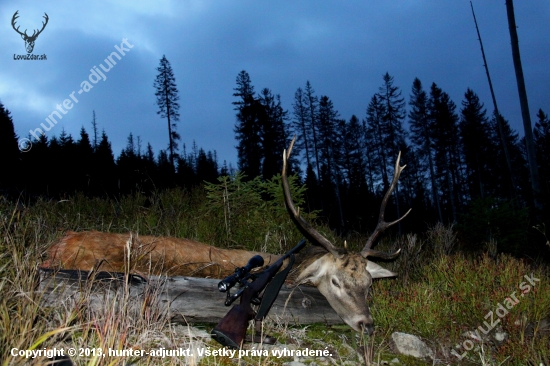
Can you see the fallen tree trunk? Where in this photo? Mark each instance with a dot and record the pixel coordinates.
(180, 299)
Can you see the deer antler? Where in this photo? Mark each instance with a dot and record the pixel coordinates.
(382, 224)
(313, 235)
(13, 19)
(43, 26)
(34, 34)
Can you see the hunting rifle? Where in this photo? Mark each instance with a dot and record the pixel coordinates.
(231, 330)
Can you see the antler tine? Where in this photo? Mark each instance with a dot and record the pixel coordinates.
(13, 20)
(305, 228)
(36, 31)
(44, 23)
(382, 224)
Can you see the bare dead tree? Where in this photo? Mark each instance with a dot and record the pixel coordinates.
(531, 156)
(497, 114)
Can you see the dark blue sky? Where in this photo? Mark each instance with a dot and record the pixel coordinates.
(342, 47)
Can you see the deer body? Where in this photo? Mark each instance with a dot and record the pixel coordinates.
(146, 254)
(343, 277)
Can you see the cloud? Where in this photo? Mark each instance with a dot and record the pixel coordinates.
(342, 48)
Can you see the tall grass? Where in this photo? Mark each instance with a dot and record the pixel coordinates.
(440, 294)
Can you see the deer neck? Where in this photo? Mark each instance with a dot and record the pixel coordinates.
(305, 259)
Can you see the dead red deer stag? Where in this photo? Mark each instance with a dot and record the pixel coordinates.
(344, 278)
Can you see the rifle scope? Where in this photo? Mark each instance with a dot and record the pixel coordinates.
(240, 273)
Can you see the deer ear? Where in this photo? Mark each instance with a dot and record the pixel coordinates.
(377, 271)
(312, 273)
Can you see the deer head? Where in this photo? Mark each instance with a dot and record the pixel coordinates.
(29, 40)
(344, 278)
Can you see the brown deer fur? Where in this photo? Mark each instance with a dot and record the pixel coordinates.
(147, 255)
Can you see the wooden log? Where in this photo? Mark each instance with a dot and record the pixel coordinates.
(181, 299)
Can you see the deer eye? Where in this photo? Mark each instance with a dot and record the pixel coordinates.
(335, 283)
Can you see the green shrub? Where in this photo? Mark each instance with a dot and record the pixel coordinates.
(494, 220)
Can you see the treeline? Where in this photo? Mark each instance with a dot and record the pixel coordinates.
(60, 166)
(464, 165)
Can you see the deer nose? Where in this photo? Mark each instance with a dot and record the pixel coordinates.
(367, 328)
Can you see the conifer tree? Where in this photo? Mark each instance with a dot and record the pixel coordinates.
(356, 193)
(150, 168)
(37, 164)
(149, 154)
(516, 154)
(312, 105)
(207, 167)
(165, 170)
(94, 130)
(421, 130)
(273, 133)
(329, 144)
(477, 146)
(393, 133)
(248, 127)
(129, 167)
(393, 115)
(105, 163)
(104, 152)
(84, 168)
(67, 156)
(300, 126)
(541, 136)
(186, 173)
(446, 148)
(368, 150)
(374, 136)
(352, 154)
(167, 100)
(9, 150)
(224, 171)
(327, 134)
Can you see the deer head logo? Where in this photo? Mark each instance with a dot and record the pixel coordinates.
(29, 40)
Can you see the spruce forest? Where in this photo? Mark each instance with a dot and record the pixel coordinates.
(465, 165)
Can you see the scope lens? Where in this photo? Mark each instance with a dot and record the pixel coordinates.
(222, 286)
